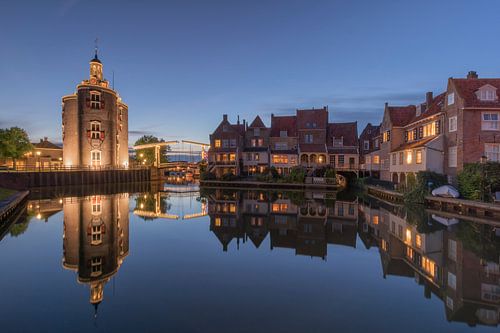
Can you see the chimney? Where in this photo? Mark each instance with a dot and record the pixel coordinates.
(428, 98)
(472, 75)
(224, 117)
(238, 122)
(244, 124)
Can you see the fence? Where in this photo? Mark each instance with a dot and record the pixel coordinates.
(56, 168)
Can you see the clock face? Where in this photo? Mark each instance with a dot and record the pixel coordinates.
(93, 80)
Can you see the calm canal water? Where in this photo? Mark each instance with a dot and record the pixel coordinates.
(244, 261)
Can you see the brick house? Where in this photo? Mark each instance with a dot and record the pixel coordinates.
(312, 128)
(472, 122)
(422, 148)
(256, 149)
(342, 146)
(226, 148)
(369, 142)
(392, 132)
(283, 143)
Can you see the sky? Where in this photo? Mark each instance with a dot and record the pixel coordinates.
(181, 65)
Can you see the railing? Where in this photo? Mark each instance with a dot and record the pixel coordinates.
(55, 168)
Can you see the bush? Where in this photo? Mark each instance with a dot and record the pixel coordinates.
(207, 175)
(477, 181)
(297, 175)
(229, 177)
(421, 186)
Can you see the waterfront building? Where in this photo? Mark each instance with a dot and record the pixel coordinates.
(256, 148)
(312, 128)
(422, 148)
(226, 148)
(95, 123)
(394, 120)
(283, 143)
(472, 122)
(342, 146)
(368, 147)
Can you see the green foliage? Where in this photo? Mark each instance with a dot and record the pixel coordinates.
(269, 175)
(297, 175)
(207, 175)
(14, 143)
(417, 189)
(148, 201)
(229, 177)
(149, 153)
(476, 181)
(19, 228)
(330, 173)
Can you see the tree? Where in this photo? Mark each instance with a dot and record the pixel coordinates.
(148, 155)
(14, 143)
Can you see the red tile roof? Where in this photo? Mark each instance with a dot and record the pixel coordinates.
(435, 108)
(240, 128)
(257, 122)
(284, 123)
(467, 88)
(401, 115)
(370, 132)
(348, 131)
(307, 117)
(312, 148)
(45, 144)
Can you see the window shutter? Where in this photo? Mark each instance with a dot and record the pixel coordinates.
(102, 135)
(88, 134)
(89, 229)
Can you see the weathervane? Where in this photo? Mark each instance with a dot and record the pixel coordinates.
(96, 46)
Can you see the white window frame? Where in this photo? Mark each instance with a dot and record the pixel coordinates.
(490, 124)
(95, 100)
(96, 234)
(452, 157)
(452, 281)
(450, 99)
(95, 130)
(96, 266)
(452, 124)
(95, 157)
(492, 151)
(308, 138)
(487, 95)
(284, 134)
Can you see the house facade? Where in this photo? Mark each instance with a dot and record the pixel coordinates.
(256, 147)
(283, 143)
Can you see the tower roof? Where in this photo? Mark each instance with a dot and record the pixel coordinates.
(95, 59)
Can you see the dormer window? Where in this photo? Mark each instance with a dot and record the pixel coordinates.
(95, 100)
(366, 145)
(338, 142)
(487, 94)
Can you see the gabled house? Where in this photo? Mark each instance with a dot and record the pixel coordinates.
(392, 132)
(422, 148)
(472, 122)
(368, 143)
(312, 128)
(226, 148)
(283, 143)
(256, 149)
(342, 146)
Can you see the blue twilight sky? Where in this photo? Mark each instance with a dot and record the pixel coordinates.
(180, 65)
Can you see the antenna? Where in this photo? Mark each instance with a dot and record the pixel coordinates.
(96, 45)
(113, 83)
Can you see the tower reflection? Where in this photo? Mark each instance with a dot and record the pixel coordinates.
(95, 239)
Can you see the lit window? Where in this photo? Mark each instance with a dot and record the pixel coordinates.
(217, 144)
(490, 121)
(96, 205)
(321, 159)
(408, 236)
(492, 151)
(409, 252)
(451, 99)
(409, 157)
(418, 241)
(452, 157)
(95, 100)
(376, 159)
(95, 157)
(429, 129)
(429, 266)
(232, 157)
(280, 159)
(95, 130)
(96, 234)
(386, 136)
(279, 207)
(375, 219)
(418, 157)
(452, 124)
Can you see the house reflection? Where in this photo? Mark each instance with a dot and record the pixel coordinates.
(456, 261)
(96, 239)
(303, 221)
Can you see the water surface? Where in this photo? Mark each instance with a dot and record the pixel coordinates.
(244, 261)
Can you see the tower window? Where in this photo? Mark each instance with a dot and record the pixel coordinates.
(95, 130)
(96, 234)
(95, 100)
(95, 157)
(96, 264)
